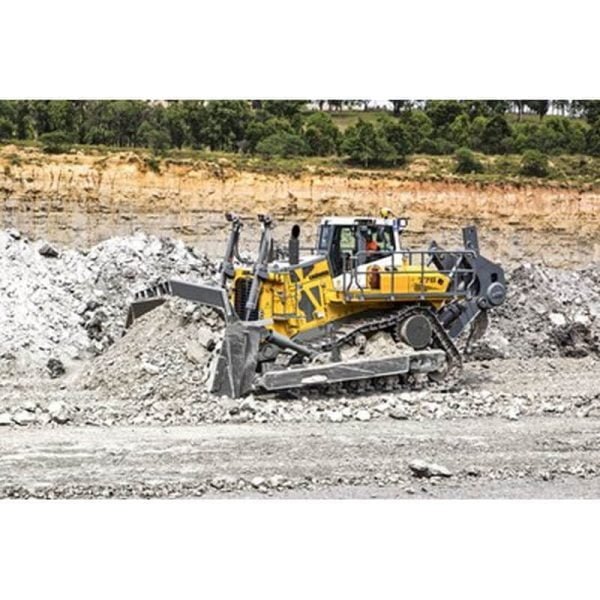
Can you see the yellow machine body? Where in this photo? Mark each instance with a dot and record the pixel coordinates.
(299, 299)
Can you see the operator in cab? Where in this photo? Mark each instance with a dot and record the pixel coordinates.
(372, 245)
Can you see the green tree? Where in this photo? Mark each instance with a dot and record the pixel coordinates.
(196, 118)
(7, 129)
(534, 164)
(400, 105)
(578, 137)
(442, 113)
(55, 142)
(466, 162)
(226, 124)
(588, 109)
(283, 144)
(38, 110)
(418, 127)
(593, 139)
(556, 135)
(23, 120)
(61, 116)
(97, 128)
(477, 128)
(496, 136)
(396, 135)
(100, 135)
(125, 119)
(485, 108)
(539, 107)
(367, 145)
(460, 130)
(287, 109)
(154, 135)
(437, 145)
(497, 107)
(177, 125)
(115, 122)
(262, 127)
(8, 110)
(322, 135)
(525, 134)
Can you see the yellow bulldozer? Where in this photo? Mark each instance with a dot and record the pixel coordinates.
(291, 316)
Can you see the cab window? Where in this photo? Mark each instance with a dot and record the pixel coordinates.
(347, 239)
(384, 236)
(324, 237)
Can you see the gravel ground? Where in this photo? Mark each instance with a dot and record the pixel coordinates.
(510, 389)
(430, 459)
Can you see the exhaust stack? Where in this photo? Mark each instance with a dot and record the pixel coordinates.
(294, 245)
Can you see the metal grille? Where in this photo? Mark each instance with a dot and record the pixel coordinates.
(242, 290)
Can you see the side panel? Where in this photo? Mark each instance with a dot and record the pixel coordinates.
(306, 297)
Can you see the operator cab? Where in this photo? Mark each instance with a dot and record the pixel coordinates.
(351, 240)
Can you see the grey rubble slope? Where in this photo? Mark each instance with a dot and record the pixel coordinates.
(548, 313)
(167, 352)
(72, 306)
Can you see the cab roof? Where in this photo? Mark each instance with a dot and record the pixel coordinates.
(356, 220)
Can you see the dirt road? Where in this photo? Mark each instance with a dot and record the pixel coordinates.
(487, 457)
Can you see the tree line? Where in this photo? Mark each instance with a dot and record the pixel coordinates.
(309, 128)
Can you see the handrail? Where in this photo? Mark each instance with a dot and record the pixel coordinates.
(360, 264)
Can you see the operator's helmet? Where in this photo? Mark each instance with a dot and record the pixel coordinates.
(386, 213)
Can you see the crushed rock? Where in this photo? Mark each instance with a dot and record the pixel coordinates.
(548, 312)
(152, 362)
(421, 468)
(73, 306)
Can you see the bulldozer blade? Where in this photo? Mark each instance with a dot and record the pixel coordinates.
(207, 295)
(141, 307)
(354, 370)
(234, 369)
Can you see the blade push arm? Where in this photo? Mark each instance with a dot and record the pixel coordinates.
(231, 249)
(260, 267)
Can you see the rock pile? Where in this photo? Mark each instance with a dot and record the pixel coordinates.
(167, 353)
(35, 413)
(548, 313)
(59, 306)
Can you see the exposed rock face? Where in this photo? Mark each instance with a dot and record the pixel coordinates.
(87, 198)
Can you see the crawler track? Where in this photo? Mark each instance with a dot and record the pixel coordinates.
(387, 322)
(384, 322)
